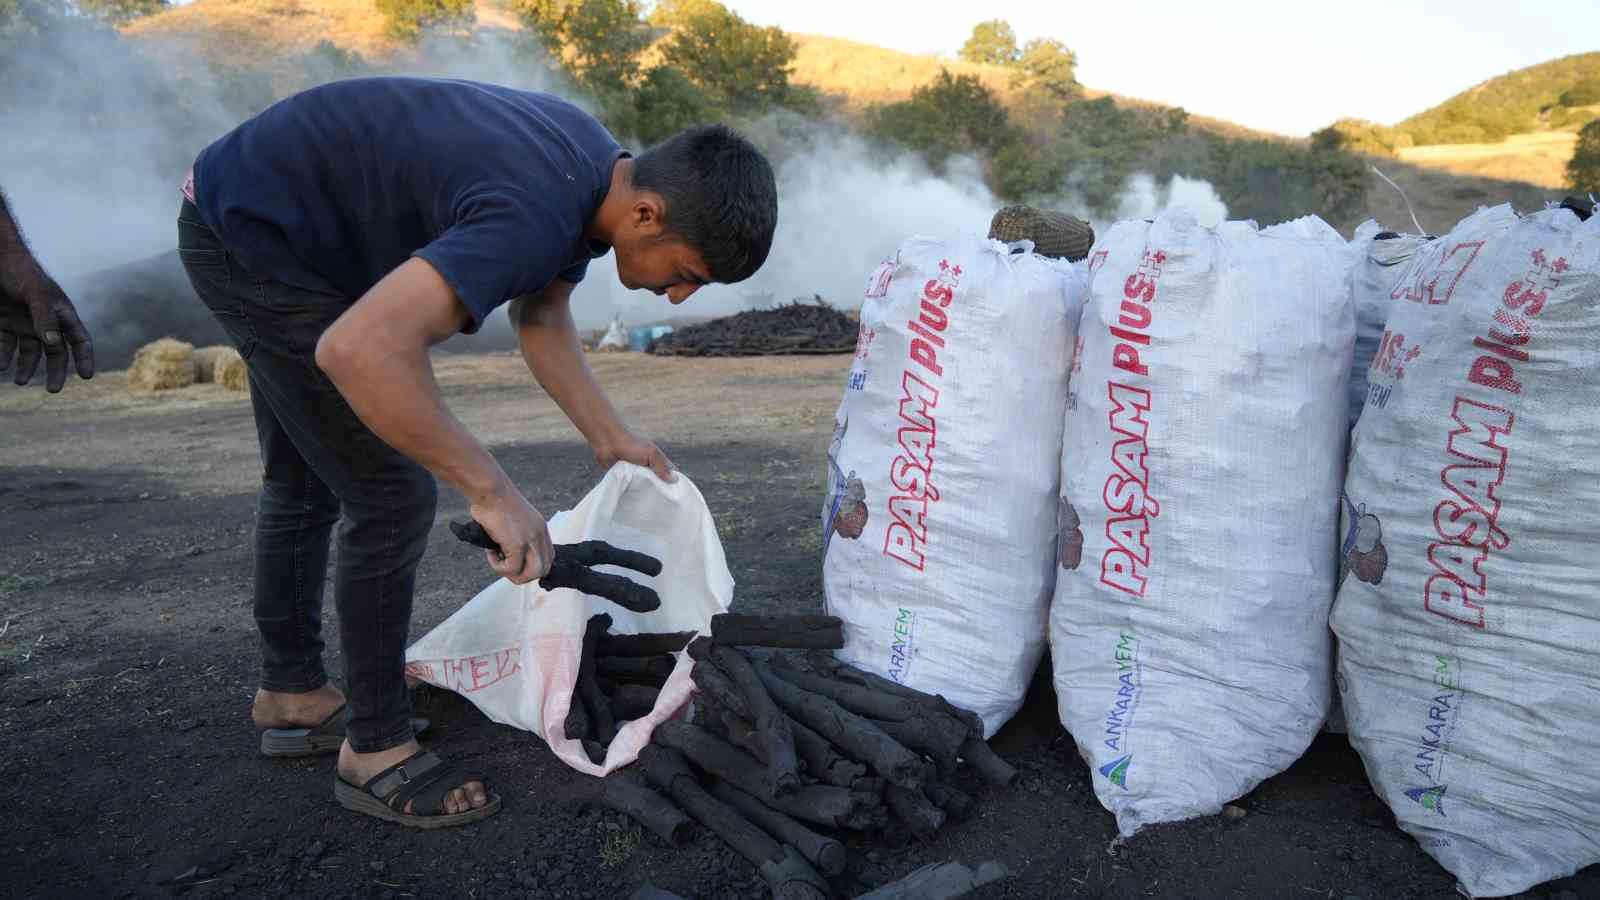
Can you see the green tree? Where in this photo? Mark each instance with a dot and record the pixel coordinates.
(741, 67)
(992, 42)
(598, 40)
(408, 18)
(1049, 65)
(1025, 170)
(120, 12)
(1584, 93)
(1583, 170)
(953, 114)
(664, 104)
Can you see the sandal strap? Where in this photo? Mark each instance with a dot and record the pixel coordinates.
(423, 777)
(387, 783)
(427, 799)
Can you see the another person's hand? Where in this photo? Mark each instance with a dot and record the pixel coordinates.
(36, 318)
(639, 451)
(521, 533)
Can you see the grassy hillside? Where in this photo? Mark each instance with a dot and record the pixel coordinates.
(1527, 100)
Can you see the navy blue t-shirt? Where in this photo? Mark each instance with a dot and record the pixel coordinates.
(331, 189)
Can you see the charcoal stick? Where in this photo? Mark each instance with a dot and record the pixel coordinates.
(796, 632)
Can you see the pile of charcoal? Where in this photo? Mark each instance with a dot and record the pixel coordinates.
(619, 678)
(786, 752)
(790, 329)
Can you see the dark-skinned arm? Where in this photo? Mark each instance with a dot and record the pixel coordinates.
(36, 318)
(555, 356)
(377, 355)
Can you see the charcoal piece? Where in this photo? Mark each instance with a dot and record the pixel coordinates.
(828, 664)
(799, 632)
(771, 725)
(570, 567)
(577, 721)
(823, 761)
(824, 805)
(627, 793)
(645, 644)
(596, 753)
(602, 727)
(699, 649)
(786, 872)
(957, 803)
(712, 681)
(710, 715)
(849, 732)
(742, 734)
(934, 735)
(915, 810)
(633, 701)
(977, 753)
(869, 784)
(651, 670)
(825, 853)
(939, 881)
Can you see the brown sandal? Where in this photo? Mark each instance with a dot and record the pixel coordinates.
(423, 780)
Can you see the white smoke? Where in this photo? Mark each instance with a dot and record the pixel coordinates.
(1143, 198)
(843, 207)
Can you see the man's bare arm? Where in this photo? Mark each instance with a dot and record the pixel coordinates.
(377, 355)
(555, 356)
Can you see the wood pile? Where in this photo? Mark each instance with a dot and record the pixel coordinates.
(795, 328)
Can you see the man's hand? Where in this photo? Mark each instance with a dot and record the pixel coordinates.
(36, 318)
(520, 531)
(44, 323)
(632, 448)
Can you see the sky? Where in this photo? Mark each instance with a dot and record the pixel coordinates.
(1282, 66)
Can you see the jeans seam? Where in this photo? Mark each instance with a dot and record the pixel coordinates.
(303, 492)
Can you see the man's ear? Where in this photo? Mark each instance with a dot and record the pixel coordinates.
(649, 214)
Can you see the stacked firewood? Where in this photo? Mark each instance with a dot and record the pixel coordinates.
(784, 751)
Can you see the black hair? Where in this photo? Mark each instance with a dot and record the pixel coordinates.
(721, 197)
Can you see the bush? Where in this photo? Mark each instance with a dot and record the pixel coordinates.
(1356, 136)
(1584, 93)
(953, 114)
(1583, 170)
(743, 68)
(1047, 64)
(666, 103)
(598, 40)
(121, 12)
(407, 18)
(992, 42)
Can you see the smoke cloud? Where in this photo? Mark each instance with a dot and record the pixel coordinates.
(99, 134)
(1145, 199)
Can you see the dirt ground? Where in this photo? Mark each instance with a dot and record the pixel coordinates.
(128, 660)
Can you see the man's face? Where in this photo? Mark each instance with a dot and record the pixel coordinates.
(663, 264)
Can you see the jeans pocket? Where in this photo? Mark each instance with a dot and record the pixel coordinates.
(206, 264)
(225, 305)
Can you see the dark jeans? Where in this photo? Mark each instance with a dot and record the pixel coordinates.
(320, 466)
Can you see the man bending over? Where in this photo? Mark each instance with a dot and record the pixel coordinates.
(340, 234)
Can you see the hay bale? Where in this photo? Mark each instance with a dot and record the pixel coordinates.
(165, 365)
(205, 362)
(233, 374)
